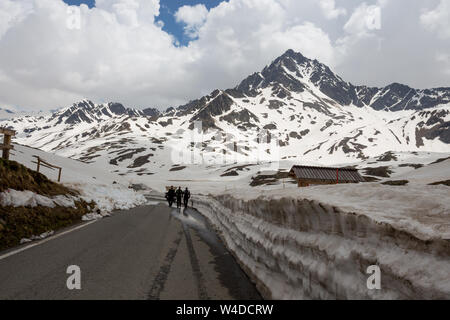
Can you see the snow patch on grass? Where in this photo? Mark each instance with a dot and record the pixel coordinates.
(109, 197)
(109, 191)
(39, 237)
(27, 198)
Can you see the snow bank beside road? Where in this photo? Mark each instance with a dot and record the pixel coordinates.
(109, 197)
(422, 210)
(296, 247)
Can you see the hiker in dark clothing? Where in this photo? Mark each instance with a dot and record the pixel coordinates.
(170, 196)
(179, 194)
(187, 195)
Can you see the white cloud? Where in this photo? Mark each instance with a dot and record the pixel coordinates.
(362, 26)
(306, 38)
(329, 9)
(193, 16)
(444, 59)
(131, 12)
(11, 13)
(364, 20)
(120, 53)
(240, 37)
(438, 19)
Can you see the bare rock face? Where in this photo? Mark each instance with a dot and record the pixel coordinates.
(88, 112)
(220, 104)
(287, 70)
(434, 127)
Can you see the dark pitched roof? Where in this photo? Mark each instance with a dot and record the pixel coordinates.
(327, 173)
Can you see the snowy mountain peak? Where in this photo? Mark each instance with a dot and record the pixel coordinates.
(89, 112)
(296, 73)
(307, 109)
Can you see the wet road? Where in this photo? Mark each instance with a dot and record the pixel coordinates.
(150, 252)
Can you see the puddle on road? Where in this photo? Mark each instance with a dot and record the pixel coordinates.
(193, 219)
(196, 221)
(228, 269)
(230, 273)
(189, 217)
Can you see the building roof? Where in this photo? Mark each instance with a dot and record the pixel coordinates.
(327, 173)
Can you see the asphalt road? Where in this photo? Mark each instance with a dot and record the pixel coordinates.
(150, 252)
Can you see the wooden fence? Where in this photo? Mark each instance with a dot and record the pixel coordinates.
(40, 162)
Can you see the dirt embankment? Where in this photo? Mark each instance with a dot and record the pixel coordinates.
(21, 222)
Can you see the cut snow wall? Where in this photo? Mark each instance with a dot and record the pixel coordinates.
(302, 249)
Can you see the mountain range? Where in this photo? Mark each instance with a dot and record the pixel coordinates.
(311, 113)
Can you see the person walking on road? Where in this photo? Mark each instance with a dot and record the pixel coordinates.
(179, 194)
(170, 196)
(186, 197)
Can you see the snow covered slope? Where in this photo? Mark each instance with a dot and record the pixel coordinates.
(435, 172)
(6, 113)
(304, 111)
(108, 190)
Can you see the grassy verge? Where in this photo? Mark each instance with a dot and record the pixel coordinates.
(17, 223)
(15, 176)
(23, 222)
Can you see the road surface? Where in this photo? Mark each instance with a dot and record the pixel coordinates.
(150, 252)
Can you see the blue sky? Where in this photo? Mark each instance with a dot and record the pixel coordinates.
(168, 8)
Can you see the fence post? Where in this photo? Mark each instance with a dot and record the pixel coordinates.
(6, 146)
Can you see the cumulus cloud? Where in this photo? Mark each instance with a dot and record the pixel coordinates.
(193, 17)
(438, 19)
(51, 56)
(444, 58)
(131, 12)
(11, 13)
(364, 20)
(119, 53)
(329, 9)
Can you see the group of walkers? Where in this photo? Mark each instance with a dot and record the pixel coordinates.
(178, 195)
